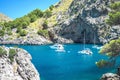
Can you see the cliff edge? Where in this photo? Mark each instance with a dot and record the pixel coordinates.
(15, 64)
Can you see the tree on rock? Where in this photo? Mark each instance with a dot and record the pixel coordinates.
(112, 50)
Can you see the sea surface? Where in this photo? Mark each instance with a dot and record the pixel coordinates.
(68, 65)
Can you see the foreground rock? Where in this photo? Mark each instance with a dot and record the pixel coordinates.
(18, 68)
(110, 76)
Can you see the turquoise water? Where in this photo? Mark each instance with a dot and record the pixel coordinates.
(69, 65)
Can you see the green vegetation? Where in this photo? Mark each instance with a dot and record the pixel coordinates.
(47, 13)
(43, 33)
(114, 16)
(102, 63)
(19, 29)
(112, 50)
(2, 32)
(35, 20)
(9, 33)
(12, 53)
(51, 7)
(21, 23)
(115, 6)
(23, 33)
(2, 52)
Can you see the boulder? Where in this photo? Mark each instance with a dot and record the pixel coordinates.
(110, 76)
(20, 68)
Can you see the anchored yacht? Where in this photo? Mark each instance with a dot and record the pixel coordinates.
(58, 47)
(86, 51)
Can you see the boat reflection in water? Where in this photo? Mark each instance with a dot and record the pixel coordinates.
(58, 47)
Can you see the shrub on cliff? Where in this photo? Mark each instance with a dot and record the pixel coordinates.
(115, 6)
(18, 29)
(114, 16)
(43, 33)
(2, 32)
(2, 52)
(33, 18)
(36, 12)
(51, 7)
(47, 13)
(24, 21)
(12, 53)
(23, 33)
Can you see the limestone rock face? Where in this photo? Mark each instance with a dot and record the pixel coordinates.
(87, 16)
(34, 39)
(110, 76)
(20, 69)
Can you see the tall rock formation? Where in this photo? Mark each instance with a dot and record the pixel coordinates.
(87, 16)
(18, 67)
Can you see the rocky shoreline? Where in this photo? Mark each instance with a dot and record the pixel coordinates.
(18, 68)
(39, 40)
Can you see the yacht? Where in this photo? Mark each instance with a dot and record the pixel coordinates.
(97, 47)
(58, 47)
(86, 51)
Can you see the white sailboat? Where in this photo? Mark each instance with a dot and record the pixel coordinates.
(85, 50)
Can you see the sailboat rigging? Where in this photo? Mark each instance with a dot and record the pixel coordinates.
(85, 50)
(94, 40)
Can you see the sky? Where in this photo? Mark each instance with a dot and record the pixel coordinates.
(18, 8)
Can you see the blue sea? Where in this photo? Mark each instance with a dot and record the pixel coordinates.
(68, 65)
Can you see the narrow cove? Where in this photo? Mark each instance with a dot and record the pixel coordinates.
(68, 65)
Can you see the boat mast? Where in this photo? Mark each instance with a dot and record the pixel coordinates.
(84, 40)
(94, 39)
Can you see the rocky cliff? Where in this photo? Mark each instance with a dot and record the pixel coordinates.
(70, 21)
(86, 19)
(15, 64)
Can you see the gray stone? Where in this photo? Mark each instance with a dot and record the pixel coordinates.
(87, 16)
(110, 76)
(20, 69)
